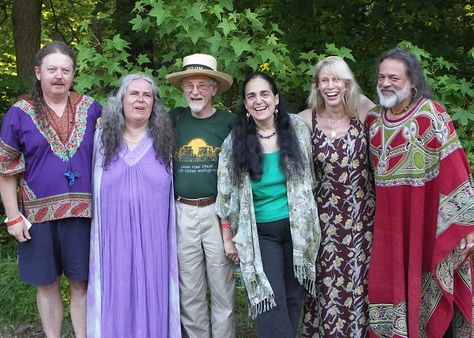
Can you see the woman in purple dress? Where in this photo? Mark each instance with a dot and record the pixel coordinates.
(345, 199)
(133, 276)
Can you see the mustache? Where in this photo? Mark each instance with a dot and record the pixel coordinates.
(390, 89)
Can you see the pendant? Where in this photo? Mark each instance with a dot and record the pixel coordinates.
(71, 177)
(333, 134)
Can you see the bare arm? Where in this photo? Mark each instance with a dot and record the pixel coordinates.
(229, 246)
(8, 186)
(307, 116)
(365, 105)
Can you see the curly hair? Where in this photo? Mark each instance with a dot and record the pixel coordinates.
(36, 94)
(246, 149)
(335, 66)
(413, 69)
(159, 123)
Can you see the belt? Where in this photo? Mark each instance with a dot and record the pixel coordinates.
(198, 202)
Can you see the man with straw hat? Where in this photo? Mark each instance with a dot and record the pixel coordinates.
(200, 130)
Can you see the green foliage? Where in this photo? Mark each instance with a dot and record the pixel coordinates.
(367, 27)
(11, 87)
(244, 40)
(241, 41)
(7, 53)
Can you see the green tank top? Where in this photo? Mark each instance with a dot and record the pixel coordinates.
(269, 194)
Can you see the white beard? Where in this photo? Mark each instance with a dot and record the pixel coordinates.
(196, 107)
(394, 100)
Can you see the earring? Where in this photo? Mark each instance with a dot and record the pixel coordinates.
(276, 112)
(248, 116)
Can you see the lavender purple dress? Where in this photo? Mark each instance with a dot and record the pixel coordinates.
(133, 276)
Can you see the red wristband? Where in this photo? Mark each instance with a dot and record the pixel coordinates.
(225, 225)
(13, 222)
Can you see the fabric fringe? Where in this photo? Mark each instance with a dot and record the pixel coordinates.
(261, 307)
(303, 279)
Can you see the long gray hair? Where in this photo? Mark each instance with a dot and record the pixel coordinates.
(159, 124)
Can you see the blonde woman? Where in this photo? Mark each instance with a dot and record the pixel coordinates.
(345, 200)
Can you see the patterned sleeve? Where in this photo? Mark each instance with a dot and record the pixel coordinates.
(456, 204)
(225, 187)
(304, 138)
(12, 161)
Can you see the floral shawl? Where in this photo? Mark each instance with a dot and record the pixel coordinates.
(235, 202)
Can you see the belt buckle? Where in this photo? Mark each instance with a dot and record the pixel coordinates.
(198, 202)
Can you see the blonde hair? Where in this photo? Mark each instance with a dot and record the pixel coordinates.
(337, 67)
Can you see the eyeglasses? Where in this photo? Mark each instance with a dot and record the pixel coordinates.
(201, 87)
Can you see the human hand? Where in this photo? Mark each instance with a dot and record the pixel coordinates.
(231, 251)
(19, 231)
(466, 244)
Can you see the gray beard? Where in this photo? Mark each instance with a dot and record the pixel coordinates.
(196, 108)
(394, 100)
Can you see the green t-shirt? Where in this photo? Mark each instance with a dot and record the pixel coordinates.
(269, 194)
(198, 143)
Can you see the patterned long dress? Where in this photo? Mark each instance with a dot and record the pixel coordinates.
(345, 198)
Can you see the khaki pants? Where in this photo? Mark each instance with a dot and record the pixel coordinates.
(202, 264)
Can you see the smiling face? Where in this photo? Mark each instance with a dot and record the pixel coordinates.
(138, 103)
(261, 102)
(331, 88)
(198, 91)
(56, 74)
(393, 84)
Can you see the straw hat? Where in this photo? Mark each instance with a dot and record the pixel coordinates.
(201, 64)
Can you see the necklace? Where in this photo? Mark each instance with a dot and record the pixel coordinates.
(403, 111)
(333, 132)
(70, 174)
(137, 140)
(266, 137)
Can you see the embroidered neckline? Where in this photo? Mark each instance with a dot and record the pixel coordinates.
(77, 133)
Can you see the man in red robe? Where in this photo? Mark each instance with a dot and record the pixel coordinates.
(421, 273)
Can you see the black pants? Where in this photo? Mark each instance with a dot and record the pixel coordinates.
(277, 257)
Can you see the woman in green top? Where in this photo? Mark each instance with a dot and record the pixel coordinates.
(268, 213)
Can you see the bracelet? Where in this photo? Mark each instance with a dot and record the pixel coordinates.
(225, 225)
(13, 222)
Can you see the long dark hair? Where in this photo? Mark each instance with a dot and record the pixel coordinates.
(246, 150)
(36, 94)
(159, 123)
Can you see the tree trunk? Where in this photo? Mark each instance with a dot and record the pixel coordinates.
(27, 34)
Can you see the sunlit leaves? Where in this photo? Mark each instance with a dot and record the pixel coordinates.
(142, 59)
(343, 52)
(160, 14)
(195, 35)
(240, 45)
(227, 26)
(215, 41)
